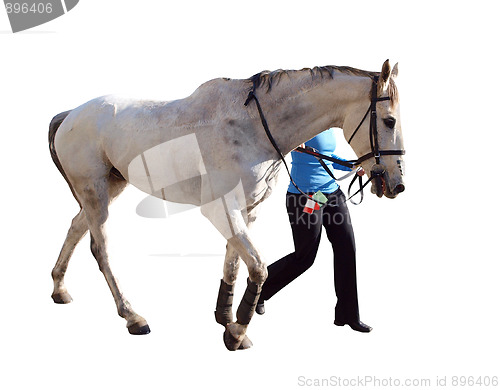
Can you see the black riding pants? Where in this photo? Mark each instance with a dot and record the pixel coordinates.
(306, 230)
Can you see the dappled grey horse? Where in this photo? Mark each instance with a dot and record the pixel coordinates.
(210, 150)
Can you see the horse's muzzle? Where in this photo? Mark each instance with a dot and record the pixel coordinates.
(398, 189)
(382, 184)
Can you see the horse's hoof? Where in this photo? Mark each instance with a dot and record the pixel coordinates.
(246, 343)
(139, 329)
(231, 342)
(61, 297)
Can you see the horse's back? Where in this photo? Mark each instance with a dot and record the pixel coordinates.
(115, 117)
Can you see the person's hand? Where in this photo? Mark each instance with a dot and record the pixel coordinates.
(360, 172)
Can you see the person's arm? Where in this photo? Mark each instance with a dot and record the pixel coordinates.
(338, 166)
(360, 172)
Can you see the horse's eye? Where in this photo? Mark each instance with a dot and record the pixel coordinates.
(390, 122)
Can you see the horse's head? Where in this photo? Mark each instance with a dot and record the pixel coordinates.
(377, 139)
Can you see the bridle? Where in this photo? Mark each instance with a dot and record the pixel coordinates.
(377, 170)
(372, 110)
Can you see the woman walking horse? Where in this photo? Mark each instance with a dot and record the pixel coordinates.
(220, 149)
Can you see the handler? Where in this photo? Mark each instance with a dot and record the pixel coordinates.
(311, 177)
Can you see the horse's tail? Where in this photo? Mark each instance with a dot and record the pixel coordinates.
(53, 127)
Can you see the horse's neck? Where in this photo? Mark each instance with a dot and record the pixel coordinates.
(297, 113)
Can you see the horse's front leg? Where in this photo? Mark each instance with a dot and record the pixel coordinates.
(224, 306)
(223, 309)
(235, 334)
(231, 217)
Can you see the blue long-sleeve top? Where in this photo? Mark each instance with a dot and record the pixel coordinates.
(308, 173)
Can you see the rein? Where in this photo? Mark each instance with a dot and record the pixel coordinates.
(263, 120)
(375, 150)
(350, 164)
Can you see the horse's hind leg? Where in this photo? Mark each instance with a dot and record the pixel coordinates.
(76, 232)
(95, 198)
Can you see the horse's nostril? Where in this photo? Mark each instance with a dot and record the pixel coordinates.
(399, 188)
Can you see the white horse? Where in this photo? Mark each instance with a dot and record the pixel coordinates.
(211, 150)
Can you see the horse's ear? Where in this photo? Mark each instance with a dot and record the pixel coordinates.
(384, 77)
(386, 72)
(394, 71)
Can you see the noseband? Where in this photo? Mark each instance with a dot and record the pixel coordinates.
(376, 172)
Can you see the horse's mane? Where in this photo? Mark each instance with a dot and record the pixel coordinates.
(267, 79)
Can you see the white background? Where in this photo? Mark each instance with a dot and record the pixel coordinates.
(427, 262)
